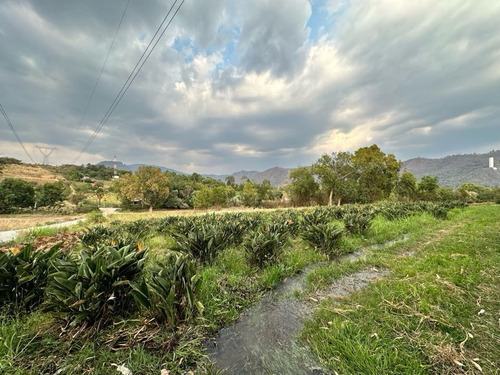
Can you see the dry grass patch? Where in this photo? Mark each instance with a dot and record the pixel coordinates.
(32, 173)
(24, 221)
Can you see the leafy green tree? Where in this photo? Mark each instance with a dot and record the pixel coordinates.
(50, 193)
(427, 188)
(203, 198)
(376, 172)
(249, 195)
(406, 187)
(264, 191)
(219, 196)
(230, 180)
(336, 175)
(99, 193)
(16, 193)
(148, 184)
(303, 186)
(196, 177)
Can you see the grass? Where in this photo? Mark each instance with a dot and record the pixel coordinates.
(32, 173)
(412, 322)
(427, 316)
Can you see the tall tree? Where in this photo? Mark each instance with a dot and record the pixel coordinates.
(148, 184)
(427, 188)
(406, 186)
(264, 191)
(377, 173)
(249, 195)
(336, 174)
(303, 186)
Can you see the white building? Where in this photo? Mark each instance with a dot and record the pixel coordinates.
(492, 163)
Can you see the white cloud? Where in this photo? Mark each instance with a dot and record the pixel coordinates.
(402, 75)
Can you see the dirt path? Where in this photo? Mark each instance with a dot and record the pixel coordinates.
(9, 235)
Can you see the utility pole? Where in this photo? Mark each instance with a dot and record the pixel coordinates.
(45, 151)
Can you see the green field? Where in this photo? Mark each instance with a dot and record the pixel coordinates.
(436, 311)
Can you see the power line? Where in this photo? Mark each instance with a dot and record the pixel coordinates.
(102, 68)
(132, 76)
(14, 132)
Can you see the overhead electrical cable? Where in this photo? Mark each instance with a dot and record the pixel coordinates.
(140, 63)
(14, 132)
(102, 68)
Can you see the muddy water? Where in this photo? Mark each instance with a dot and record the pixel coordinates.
(362, 253)
(263, 340)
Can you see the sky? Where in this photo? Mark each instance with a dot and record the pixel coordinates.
(250, 84)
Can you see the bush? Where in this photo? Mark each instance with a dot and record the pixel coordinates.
(23, 276)
(50, 193)
(324, 237)
(93, 287)
(96, 235)
(203, 241)
(263, 247)
(95, 217)
(358, 221)
(171, 291)
(86, 206)
(439, 211)
(15, 193)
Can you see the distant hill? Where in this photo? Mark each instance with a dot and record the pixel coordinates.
(455, 170)
(451, 171)
(277, 176)
(134, 167)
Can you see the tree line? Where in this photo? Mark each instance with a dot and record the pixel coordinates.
(365, 176)
(17, 194)
(151, 188)
(369, 175)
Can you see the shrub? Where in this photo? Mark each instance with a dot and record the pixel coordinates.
(358, 221)
(86, 206)
(95, 217)
(171, 290)
(23, 276)
(263, 247)
(94, 286)
(96, 235)
(324, 236)
(439, 211)
(50, 193)
(203, 242)
(15, 193)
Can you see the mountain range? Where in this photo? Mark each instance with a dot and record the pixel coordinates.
(451, 171)
(456, 170)
(277, 176)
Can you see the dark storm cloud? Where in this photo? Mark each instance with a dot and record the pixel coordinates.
(273, 36)
(240, 85)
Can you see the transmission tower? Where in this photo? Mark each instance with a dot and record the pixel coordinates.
(45, 151)
(115, 170)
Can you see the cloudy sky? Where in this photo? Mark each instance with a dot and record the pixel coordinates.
(250, 84)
